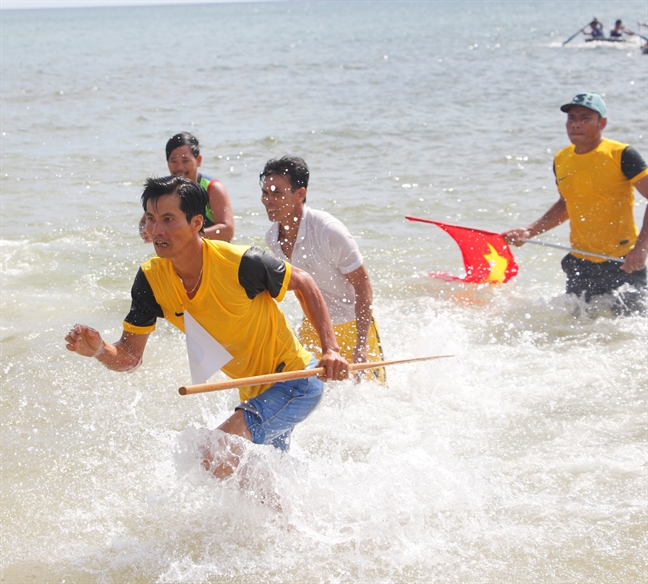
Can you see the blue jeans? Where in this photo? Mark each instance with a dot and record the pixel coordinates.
(272, 415)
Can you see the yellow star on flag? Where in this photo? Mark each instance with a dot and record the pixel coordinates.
(497, 263)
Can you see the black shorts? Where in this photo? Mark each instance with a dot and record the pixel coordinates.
(592, 279)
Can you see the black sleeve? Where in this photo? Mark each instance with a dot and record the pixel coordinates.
(260, 271)
(144, 308)
(632, 163)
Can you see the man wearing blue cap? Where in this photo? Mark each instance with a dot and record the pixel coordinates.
(596, 178)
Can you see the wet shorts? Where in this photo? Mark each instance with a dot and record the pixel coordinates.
(346, 335)
(272, 415)
(589, 279)
(594, 278)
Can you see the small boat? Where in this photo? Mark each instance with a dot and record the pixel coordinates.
(606, 40)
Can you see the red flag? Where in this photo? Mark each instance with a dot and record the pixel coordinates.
(487, 257)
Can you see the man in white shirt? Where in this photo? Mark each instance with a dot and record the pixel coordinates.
(321, 245)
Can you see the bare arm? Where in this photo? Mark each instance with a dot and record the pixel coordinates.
(636, 258)
(221, 208)
(124, 355)
(314, 307)
(363, 300)
(556, 215)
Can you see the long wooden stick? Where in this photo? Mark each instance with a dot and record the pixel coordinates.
(288, 375)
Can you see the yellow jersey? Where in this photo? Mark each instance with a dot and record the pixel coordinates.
(235, 303)
(598, 188)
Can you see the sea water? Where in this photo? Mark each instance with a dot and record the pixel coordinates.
(522, 458)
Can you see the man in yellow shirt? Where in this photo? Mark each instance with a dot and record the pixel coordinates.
(596, 178)
(232, 292)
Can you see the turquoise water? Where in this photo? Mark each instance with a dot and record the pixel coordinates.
(522, 459)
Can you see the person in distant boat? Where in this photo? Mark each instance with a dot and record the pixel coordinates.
(596, 178)
(184, 159)
(619, 30)
(320, 244)
(596, 30)
(641, 25)
(232, 292)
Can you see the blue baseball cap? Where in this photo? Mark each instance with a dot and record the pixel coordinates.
(591, 101)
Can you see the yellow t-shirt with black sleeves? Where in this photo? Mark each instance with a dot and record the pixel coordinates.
(598, 188)
(235, 303)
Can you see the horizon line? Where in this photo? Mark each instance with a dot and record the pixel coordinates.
(58, 4)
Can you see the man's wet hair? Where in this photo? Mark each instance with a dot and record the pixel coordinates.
(292, 167)
(193, 197)
(183, 139)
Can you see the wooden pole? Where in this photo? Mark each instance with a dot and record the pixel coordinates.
(289, 375)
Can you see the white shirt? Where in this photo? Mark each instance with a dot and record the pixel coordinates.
(327, 251)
